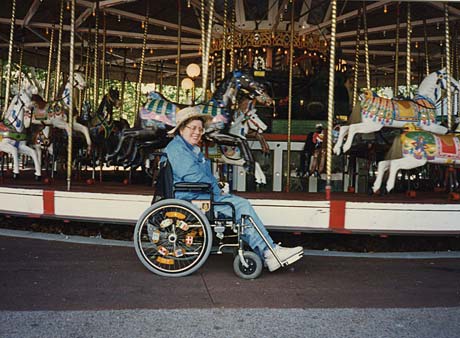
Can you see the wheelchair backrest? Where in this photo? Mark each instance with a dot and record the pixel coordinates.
(164, 182)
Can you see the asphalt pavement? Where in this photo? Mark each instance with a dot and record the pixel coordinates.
(62, 289)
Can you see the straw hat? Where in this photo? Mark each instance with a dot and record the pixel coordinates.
(187, 113)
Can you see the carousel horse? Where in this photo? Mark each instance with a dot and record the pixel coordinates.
(104, 130)
(414, 148)
(12, 130)
(158, 116)
(54, 115)
(373, 113)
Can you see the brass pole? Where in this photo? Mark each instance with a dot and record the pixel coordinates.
(232, 48)
(208, 48)
(398, 23)
(408, 55)
(224, 42)
(1, 82)
(203, 38)
(427, 57)
(96, 60)
(366, 49)
(59, 50)
(330, 99)
(21, 57)
(123, 84)
(104, 45)
(179, 42)
(291, 53)
(50, 59)
(87, 70)
(141, 67)
(448, 67)
(10, 55)
(356, 70)
(71, 75)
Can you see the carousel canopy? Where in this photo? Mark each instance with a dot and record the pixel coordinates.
(261, 27)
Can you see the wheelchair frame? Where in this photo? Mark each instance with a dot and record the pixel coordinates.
(173, 237)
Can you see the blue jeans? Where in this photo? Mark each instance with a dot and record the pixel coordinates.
(250, 236)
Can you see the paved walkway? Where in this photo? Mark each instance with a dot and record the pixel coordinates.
(60, 289)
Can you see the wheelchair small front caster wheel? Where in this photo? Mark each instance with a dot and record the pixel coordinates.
(254, 268)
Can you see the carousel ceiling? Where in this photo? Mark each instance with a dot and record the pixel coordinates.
(260, 27)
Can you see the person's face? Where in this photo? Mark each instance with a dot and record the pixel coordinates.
(192, 131)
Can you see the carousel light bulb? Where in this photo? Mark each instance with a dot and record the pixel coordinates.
(193, 70)
(151, 50)
(134, 65)
(385, 9)
(188, 4)
(416, 44)
(264, 49)
(142, 24)
(119, 18)
(111, 50)
(68, 6)
(47, 31)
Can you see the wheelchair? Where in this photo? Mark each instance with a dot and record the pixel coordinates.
(173, 237)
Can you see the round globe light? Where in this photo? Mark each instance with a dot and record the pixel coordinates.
(193, 70)
(187, 83)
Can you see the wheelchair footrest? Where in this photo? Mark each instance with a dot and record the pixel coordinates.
(292, 259)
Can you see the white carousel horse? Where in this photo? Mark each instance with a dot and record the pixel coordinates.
(12, 130)
(55, 116)
(414, 148)
(80, 84)
(373, 113)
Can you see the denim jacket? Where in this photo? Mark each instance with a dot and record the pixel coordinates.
(189, 165)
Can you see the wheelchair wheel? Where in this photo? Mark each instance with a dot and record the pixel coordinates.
(173, 238)
(253, 270)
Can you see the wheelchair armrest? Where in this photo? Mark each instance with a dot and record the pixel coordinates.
(192, 186)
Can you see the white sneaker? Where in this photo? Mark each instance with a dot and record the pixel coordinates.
(286, 256)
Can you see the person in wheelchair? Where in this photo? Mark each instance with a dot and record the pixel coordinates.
(190, 165)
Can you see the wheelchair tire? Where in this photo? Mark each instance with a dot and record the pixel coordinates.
(173, 238)
(253, 270)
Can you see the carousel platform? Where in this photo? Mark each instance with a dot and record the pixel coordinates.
(114, 202)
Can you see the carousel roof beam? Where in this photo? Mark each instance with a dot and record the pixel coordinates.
(140, 18)
(111, 3)
(115, 45)
(32, 10)
(83, 16)
(102, 4)
(38, 34)
(388, 28)
(277, 18)
(155, 37)
(109, 32)
(165, 57)
(346, 16)
(392, 41)
(452, 10)
(361, 66)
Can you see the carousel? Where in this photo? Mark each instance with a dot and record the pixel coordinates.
(330, 116)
